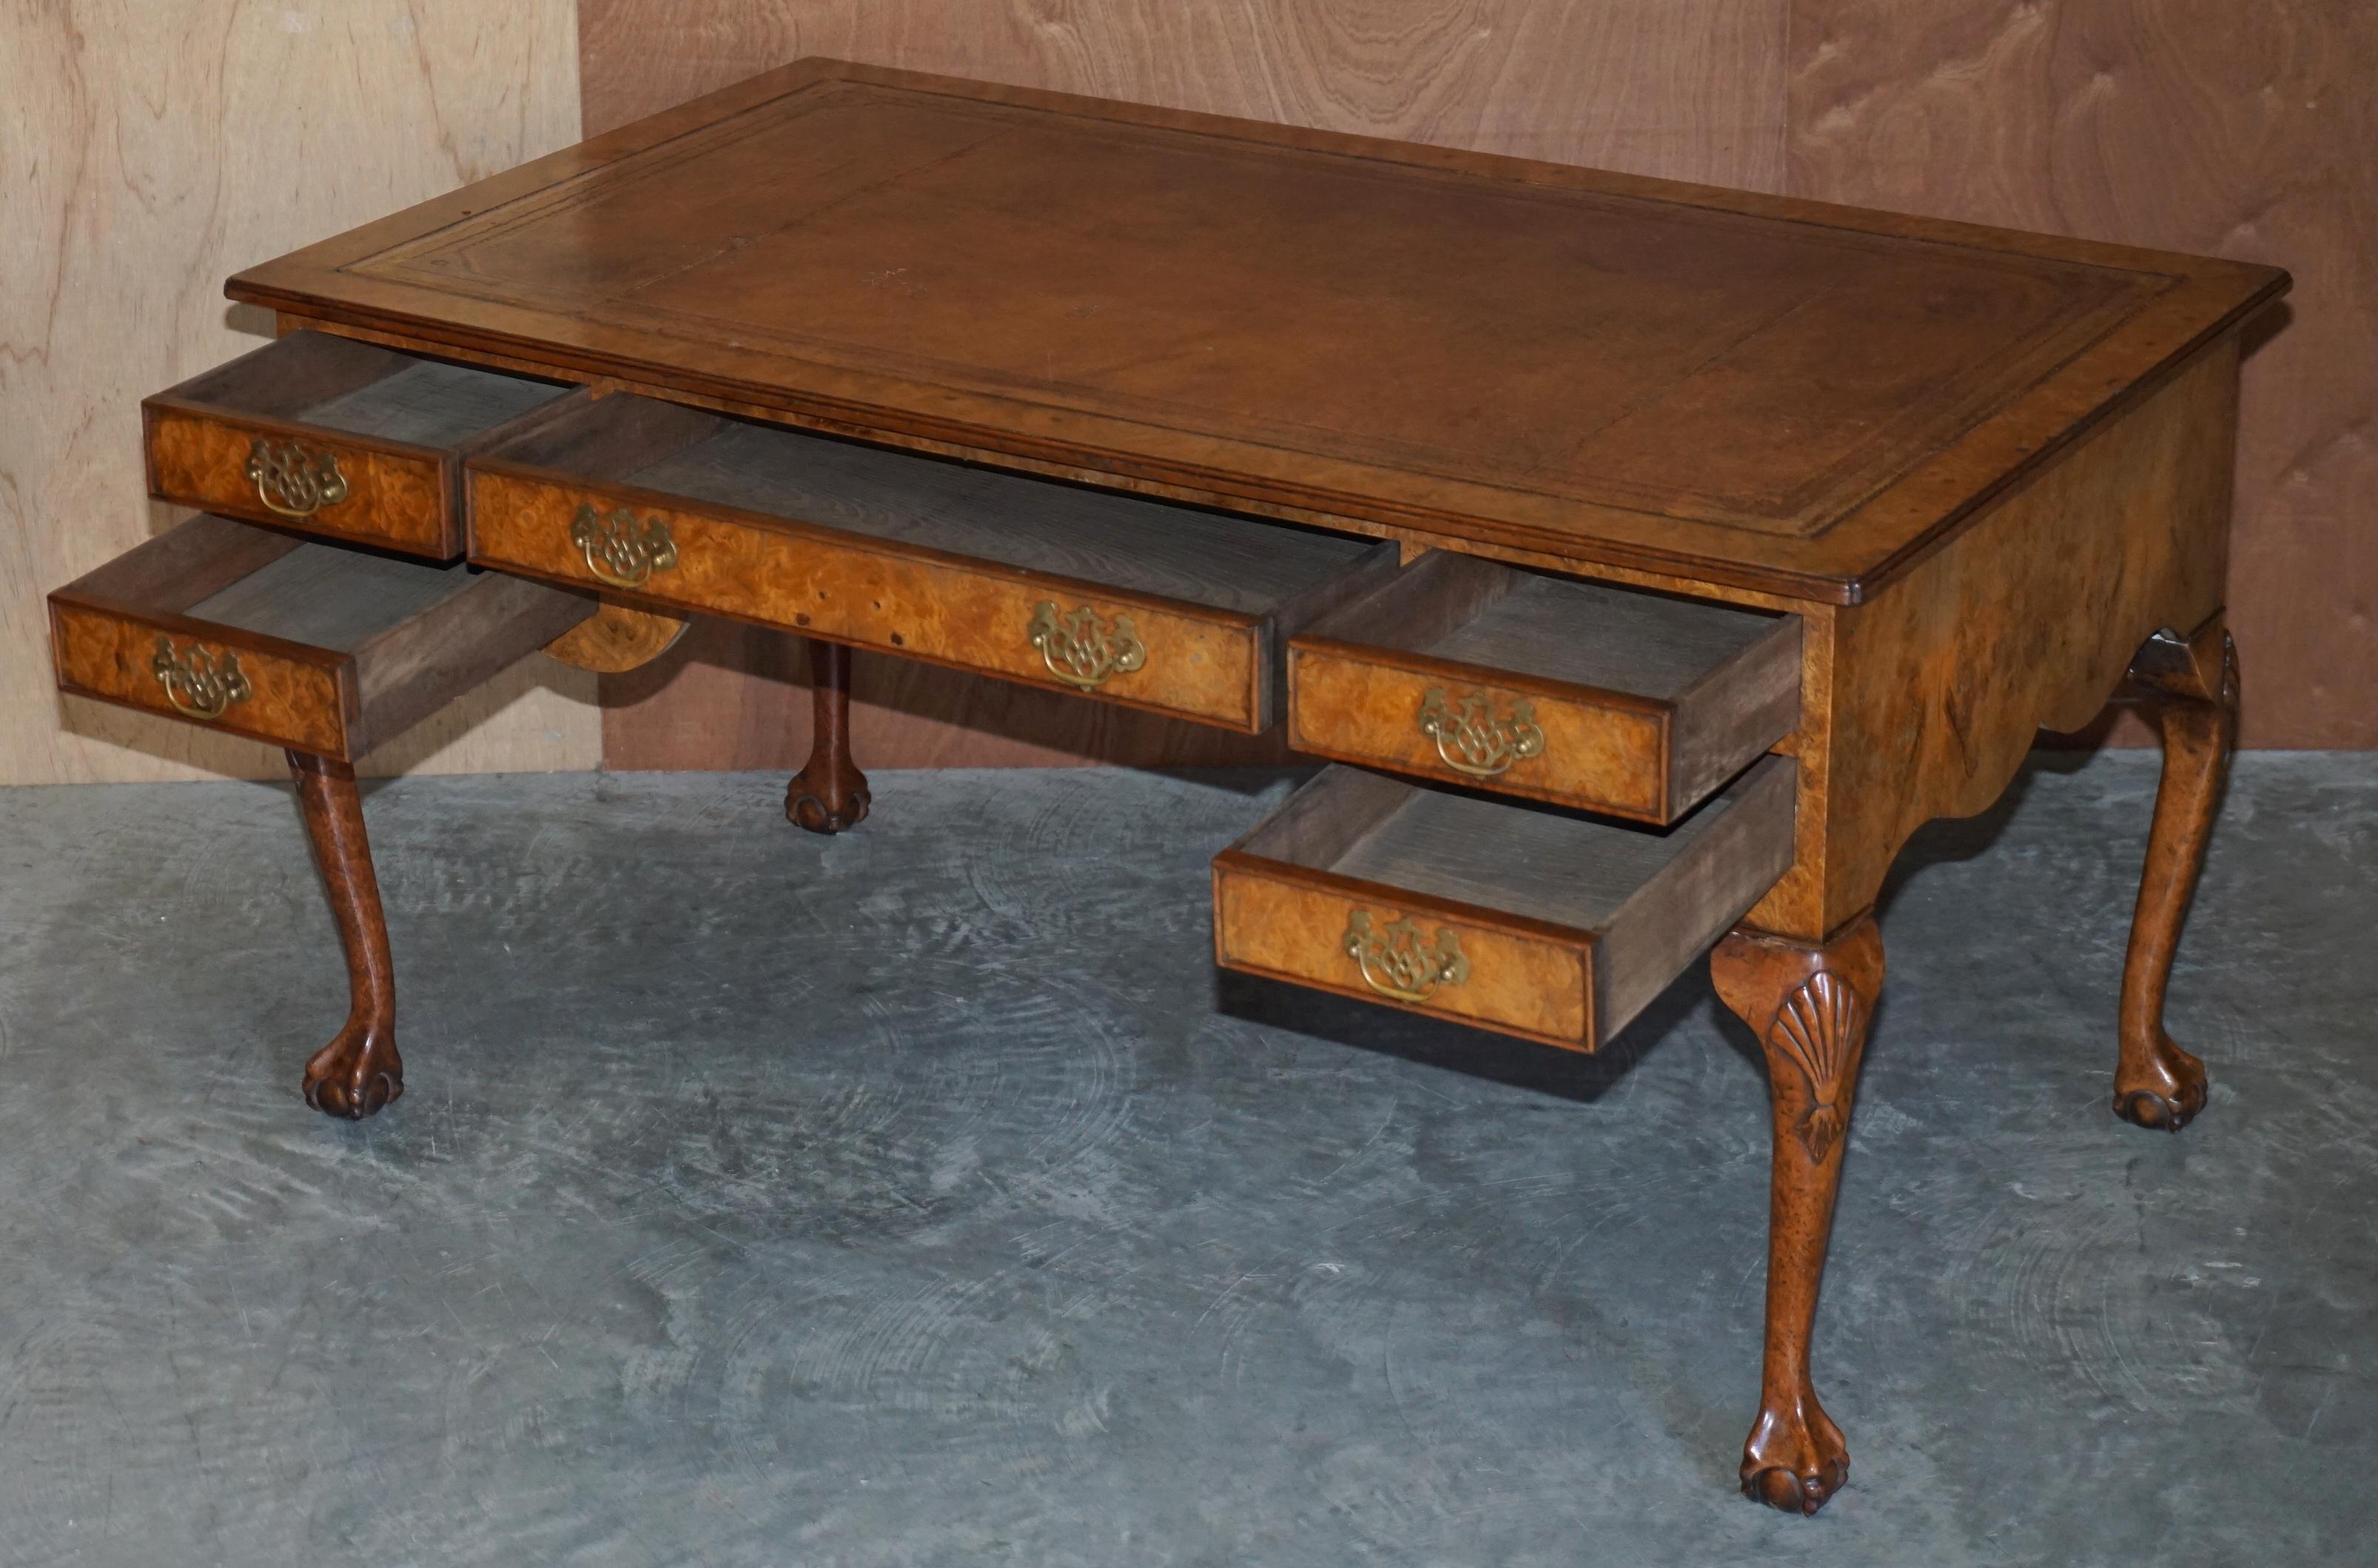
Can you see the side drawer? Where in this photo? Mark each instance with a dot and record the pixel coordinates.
(1608, 699)
(316, 647)
(1533, 922)
(333, 437)
(1170, 608)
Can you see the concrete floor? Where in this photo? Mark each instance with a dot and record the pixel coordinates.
(924, 1197)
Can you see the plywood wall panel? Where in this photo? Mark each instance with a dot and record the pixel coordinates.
(2241, 130)
(148, 151)
(1687, 88)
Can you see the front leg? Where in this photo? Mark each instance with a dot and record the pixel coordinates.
(2192, 685)
(1808, 1006)
(359, 1071)
(830, 793)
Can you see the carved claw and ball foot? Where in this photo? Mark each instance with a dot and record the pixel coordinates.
(1808, 1006)
(2191, 684)
(2158, 1086)
(829, 796)
(358, 1072)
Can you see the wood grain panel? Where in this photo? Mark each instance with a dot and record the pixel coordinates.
(1522, 981)
(289, 699)
(151, 150)
(1199, 661)
(2245, 131)
(393, 498)
(1692, 89)
(1901, 725)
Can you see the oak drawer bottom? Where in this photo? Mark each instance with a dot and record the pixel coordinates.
(1538, 923)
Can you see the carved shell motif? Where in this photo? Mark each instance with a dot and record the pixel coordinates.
(1819, 1026)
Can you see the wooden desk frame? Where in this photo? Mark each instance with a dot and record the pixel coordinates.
(2005, 577)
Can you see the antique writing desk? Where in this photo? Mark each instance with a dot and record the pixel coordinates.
(1652, 560)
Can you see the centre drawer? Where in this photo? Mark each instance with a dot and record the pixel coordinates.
(333, 437)
(1608, 699)
(1170, 608)
(320, 648)
(1532, 921)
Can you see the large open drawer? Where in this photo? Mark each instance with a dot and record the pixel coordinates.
(316, 647)
(1536, 922)
(1171, 609)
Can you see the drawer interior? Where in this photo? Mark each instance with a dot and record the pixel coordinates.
(360, 389)
(325, 596)
(1539, 862)
(1507, 620)
(908, 499)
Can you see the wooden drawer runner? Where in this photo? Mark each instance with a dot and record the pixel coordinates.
(333, 437)
(1608, 699)
(316, 647)
(1534, 922)
(1164, 607)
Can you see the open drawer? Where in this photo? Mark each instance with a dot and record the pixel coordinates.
(316, 647)
(1611, 700)
(1535, 922)
(1164, 607)
(334, 437)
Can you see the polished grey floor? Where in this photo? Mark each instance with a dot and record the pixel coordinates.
(924, 1197)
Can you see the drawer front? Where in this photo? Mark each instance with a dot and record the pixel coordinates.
(1405, 954)
(1202, 663)
(207, 674)
(325, 482)
(1584, 694)
(1602, 756)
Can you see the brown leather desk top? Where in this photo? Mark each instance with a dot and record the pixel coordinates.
(1741, 391)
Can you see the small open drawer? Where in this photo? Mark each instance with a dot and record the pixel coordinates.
(334, 437)
(1164, 607)
(1521, 918)
(1609, 698)
(316, 647)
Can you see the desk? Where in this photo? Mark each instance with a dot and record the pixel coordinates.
(1650, 560)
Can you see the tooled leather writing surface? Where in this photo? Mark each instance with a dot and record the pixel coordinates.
(1511, 352)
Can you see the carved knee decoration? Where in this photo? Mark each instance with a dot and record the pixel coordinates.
(1810, 1006)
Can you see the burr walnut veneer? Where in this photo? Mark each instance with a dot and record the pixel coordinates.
(1650, 560)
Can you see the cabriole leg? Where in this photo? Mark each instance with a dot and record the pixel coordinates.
(830, 793)
(359, 1071)
(2191, 684)
(1809, 1005)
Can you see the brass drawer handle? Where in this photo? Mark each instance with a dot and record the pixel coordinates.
(619, 550)
(1472, 739)
(199, 683)
(1082, 647)
(1398, 962)
(294, 479)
